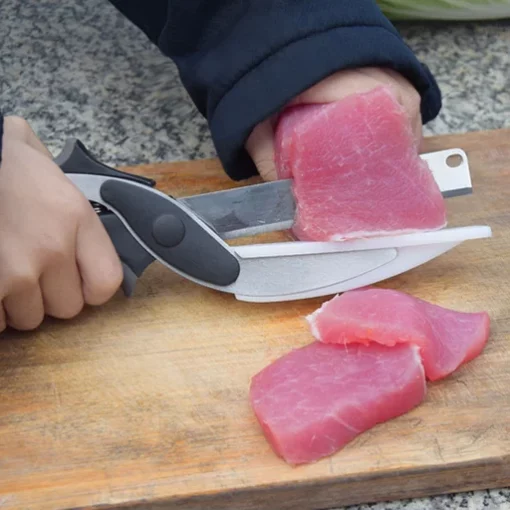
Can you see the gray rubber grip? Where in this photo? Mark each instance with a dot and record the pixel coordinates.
(171, 233)
(76, 159)
(134, 257)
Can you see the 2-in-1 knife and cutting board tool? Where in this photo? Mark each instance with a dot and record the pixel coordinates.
(189, 235)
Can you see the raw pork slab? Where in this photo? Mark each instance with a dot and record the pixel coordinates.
(314, 400)
(446, 338)
(356, 170)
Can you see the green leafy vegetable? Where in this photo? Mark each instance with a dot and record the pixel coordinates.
(452, 10)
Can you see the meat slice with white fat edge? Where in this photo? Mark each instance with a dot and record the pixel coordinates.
(446, 338)
(356, 170)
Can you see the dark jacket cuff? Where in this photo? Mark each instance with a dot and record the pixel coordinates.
(268, 86)
(243, 60)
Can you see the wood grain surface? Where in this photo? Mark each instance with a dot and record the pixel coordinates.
(143, 403)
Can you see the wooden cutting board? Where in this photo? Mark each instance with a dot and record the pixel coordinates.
(145, 401)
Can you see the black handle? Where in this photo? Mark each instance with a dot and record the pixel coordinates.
(169, 231)
(166, 228)
(135, 259)
(76, 159)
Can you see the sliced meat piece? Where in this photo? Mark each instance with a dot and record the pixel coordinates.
(446, 338)
(314, 400)
(356, 170)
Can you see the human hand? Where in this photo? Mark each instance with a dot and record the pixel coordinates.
(55, 255)
(260, 144)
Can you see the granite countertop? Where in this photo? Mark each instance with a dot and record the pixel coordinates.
(80, 69)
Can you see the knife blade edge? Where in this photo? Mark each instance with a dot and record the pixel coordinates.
(270, 206)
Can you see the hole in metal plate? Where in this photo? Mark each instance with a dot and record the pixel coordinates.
(454, 160)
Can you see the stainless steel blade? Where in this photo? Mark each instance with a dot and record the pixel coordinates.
(248, 210)
(290, 271)
(268, 207)
(279, 278)
(342, 272)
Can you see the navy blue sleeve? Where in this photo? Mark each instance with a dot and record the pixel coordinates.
(243, 60)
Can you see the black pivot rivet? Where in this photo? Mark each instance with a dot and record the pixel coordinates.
(168, 230)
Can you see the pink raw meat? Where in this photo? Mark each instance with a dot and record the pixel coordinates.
(314, 400)
(356, 170)
(446, 338)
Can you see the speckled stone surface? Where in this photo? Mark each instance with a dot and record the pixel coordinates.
(481, 500)
(80, 69)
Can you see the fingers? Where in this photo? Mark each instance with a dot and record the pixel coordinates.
(260, 147)
(24, 310)
(336, 87)
(20, 294)
(405, 93)
(355, 81)
(91, 276)
(98, 262)
(56, 255)
(62, 290)
(339, 85)
(19, 128)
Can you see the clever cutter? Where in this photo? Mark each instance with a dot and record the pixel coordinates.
(188, 235)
